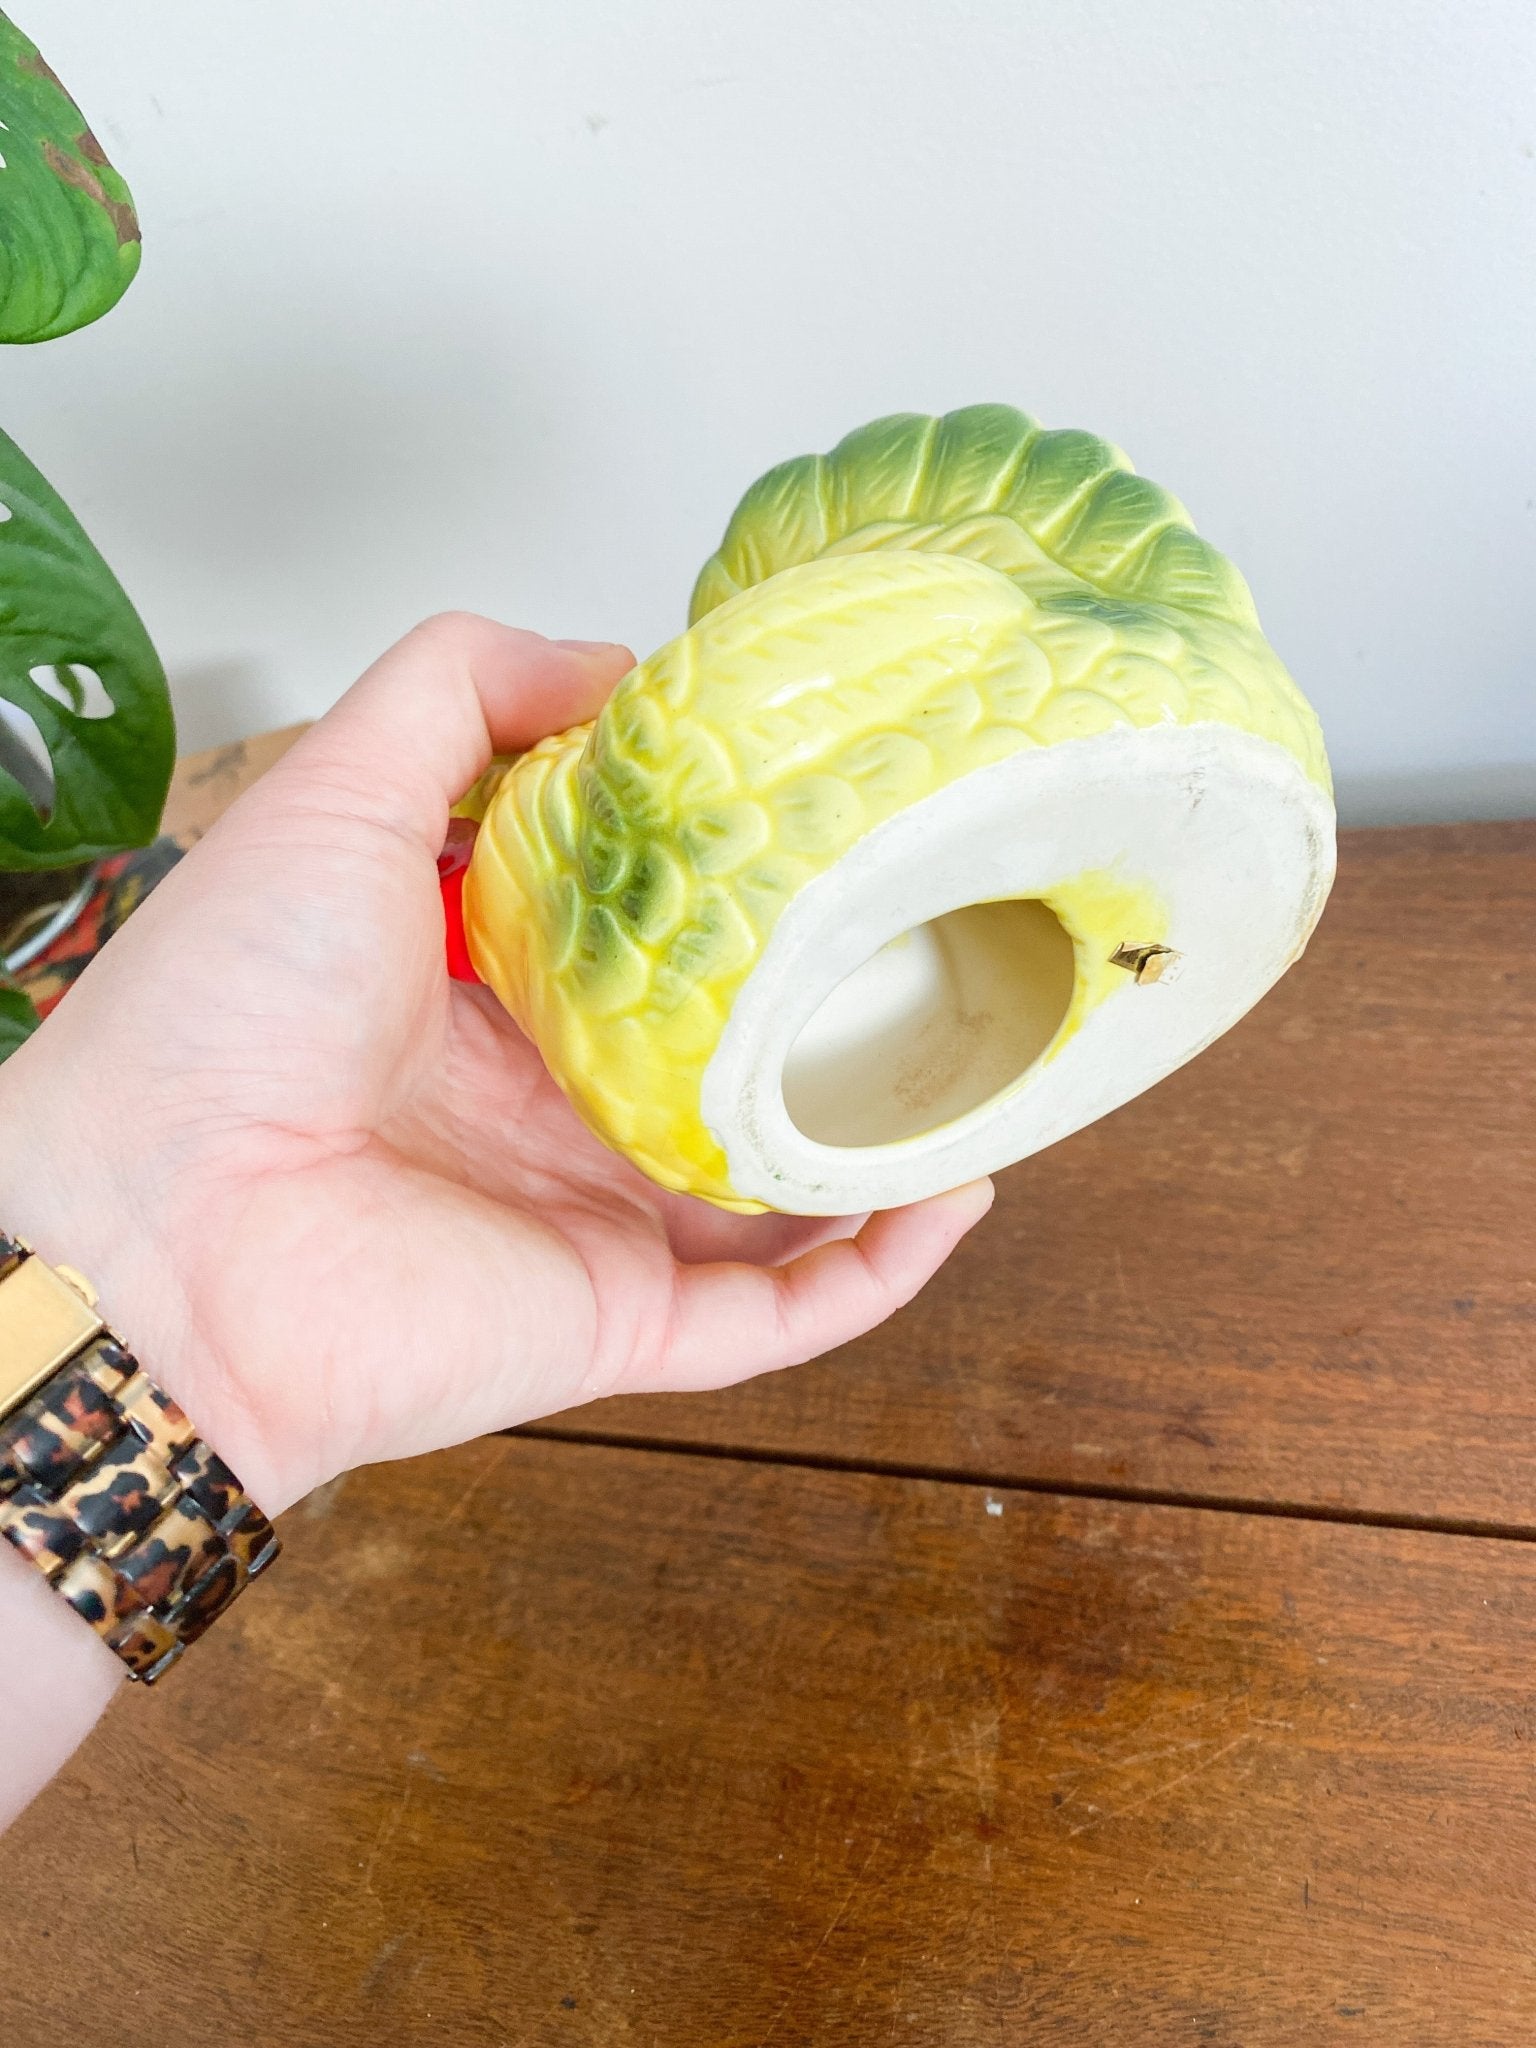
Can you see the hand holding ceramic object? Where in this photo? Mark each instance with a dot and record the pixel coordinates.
(972, 803)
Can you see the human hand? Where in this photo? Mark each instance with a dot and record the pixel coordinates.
(334, 1201)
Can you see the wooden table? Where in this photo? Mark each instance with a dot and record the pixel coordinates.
(1135, 1643)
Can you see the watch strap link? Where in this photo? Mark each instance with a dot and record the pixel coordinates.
(106, 1486)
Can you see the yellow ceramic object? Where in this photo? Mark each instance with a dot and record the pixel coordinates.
(934, 599)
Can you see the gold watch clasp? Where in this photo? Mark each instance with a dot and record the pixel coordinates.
(73, 1277)
(47, 1314)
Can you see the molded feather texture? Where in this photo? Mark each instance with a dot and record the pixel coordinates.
(933, 596)
(912, 481)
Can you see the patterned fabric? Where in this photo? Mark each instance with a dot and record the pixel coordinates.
(107, 1488)
(122, 882)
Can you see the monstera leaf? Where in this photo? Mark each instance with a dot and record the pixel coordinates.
(18, 1019)
(69, 237)
(77, 662)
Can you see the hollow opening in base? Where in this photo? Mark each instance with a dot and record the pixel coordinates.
(936, 1023)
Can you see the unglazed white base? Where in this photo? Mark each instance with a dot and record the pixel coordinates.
(933, 1061)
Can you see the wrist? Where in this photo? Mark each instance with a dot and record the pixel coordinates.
(63, 1191)
(56, 1678)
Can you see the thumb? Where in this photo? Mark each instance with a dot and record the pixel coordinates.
(411, 735)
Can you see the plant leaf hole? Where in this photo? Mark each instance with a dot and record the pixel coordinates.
(24, 757)
(78, 688)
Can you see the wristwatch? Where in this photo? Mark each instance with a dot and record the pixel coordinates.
(104, 1483)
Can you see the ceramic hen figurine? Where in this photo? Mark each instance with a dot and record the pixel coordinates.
(972, 802)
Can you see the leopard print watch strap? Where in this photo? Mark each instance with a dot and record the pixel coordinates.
(104, 1483)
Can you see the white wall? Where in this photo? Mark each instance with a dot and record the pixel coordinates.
(500, 304)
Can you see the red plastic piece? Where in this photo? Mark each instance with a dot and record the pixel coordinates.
(452, 867)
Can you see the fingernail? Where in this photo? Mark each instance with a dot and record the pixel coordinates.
(975, 1195)
(592, 646)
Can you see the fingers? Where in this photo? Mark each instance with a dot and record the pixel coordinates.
(699, 1233)
(409, 738)
(732, 1321)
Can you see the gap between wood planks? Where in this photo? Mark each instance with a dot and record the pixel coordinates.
(1131, 1496)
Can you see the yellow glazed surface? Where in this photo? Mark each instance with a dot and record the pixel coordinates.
(878, 623)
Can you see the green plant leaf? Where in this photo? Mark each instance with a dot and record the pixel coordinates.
(69, 237)
(61, 610)
(18, 1019)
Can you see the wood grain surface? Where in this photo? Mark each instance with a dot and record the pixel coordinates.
(1030, 1673)
(533, 1743)
(1302, 1270)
